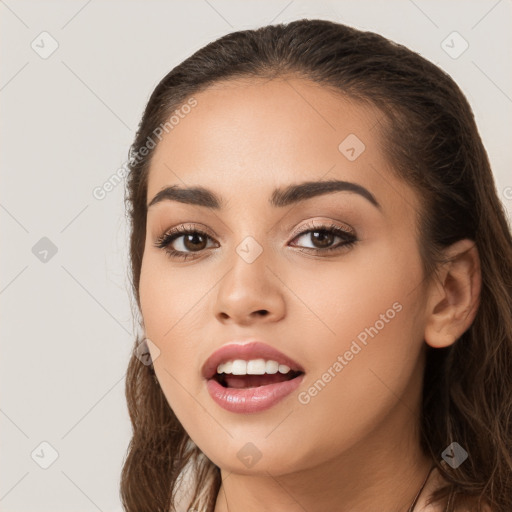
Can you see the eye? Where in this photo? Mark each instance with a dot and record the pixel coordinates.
(323, 236)
(183, 241)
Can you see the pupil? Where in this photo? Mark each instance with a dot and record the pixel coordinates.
(324, 236)
(192, 238)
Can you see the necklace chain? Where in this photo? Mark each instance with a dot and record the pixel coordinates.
(414, 502)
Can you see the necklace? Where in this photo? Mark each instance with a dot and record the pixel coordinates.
(415, 501)
(413, 504)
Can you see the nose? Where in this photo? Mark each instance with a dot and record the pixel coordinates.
(250, 292)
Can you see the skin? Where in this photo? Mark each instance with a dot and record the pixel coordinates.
(355, 445)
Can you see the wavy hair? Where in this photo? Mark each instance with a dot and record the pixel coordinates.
(433, 144)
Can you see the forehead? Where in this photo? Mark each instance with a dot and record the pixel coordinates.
(253, 135)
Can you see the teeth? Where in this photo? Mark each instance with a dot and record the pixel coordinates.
(225, 367)
(239, 367)
(252, 367)
(256, 367)
(271, 367)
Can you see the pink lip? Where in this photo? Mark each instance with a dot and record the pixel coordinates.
(247, 351)
(248, 400)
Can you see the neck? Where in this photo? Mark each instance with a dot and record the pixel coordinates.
(383, 471)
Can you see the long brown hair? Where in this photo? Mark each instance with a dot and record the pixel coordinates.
(434, 145)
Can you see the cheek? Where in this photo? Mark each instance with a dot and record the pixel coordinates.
(347, 297)
(168, 305)
(168, 295)
(364, 345)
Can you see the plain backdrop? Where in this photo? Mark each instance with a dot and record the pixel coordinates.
(68, 119)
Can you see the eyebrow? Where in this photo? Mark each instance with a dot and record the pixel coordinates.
(280, 197)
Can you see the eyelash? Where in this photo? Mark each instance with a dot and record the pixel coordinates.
(168, 237)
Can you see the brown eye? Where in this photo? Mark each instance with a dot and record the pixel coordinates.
(194, 241)
(322, 238)
(183, 242)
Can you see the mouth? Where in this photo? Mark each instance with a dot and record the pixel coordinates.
(228, 379)
(246, 365)
(250, 378)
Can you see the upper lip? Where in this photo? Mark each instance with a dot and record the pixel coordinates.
(246, 351)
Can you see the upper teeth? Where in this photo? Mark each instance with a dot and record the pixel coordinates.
(252, 367)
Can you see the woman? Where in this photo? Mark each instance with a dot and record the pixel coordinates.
(323, 269)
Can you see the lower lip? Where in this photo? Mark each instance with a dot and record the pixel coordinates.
(247, 400)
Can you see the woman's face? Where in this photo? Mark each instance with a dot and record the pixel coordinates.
(347, 306)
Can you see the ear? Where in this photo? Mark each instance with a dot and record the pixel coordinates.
(454, 296)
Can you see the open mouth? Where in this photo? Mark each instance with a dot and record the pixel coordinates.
(250, 378)
(253, 381)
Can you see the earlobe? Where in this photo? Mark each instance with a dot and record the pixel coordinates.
(454, 296)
